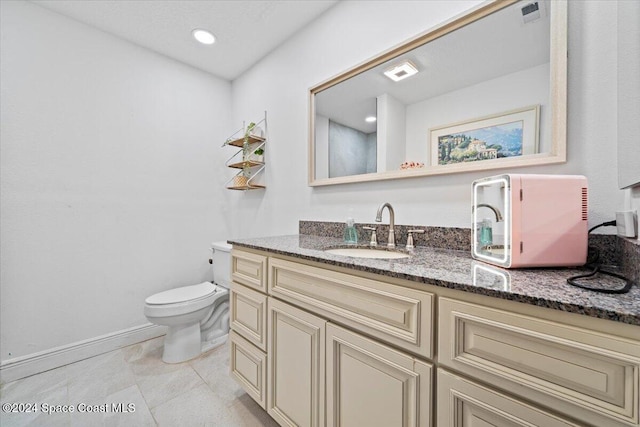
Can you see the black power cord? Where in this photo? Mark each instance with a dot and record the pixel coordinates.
(597, 268)
(604, 224)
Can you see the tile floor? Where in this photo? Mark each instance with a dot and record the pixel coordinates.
(194, 393)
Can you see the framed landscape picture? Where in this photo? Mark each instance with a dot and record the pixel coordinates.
(509, 134)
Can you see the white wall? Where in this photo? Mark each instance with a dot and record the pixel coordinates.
(629, 101)
(391, 130)
(628, 26)
(354, 31)
(112, 173)
(111, 179)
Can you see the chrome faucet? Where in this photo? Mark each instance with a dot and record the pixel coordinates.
(495, 210)
(391, 241)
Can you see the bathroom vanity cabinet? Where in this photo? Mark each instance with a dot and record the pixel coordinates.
(318, 344)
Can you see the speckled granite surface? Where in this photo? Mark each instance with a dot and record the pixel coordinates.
(433, 237)
(456, 269)
(608, 246)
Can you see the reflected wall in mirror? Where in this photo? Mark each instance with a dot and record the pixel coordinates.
(469, 75)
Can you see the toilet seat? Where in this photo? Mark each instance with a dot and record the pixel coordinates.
(183, 294)
(179, 301)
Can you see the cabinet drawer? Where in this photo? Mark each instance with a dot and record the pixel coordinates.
(248, 366)
(398, 315)
(585, 374)
(463, 403)
(249, 269)
(248, 314)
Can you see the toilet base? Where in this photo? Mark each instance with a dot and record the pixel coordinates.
(214, 343)
(182, 343)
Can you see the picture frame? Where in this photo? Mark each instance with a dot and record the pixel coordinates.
(508, 134)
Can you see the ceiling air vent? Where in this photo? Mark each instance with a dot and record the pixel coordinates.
(530, 12)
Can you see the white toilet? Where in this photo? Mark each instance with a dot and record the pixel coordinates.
(197, 315)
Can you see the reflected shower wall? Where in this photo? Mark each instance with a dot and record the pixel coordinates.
(351, 152)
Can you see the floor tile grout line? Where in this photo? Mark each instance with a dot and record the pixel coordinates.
(135, 378)
(146, 402)
(207, 365)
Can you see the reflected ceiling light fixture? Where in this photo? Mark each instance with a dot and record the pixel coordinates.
(401, 71)
(203, 36)
(370, 119)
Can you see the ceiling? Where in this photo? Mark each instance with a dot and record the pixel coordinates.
(494, 46)
(246, 30)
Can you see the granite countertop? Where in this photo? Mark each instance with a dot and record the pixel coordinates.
(544, 287)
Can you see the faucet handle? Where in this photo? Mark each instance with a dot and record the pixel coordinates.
(410, 238)
(374, 237)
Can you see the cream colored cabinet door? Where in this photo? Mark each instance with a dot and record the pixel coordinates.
(248, 314)
(295, 373)
(584, 374)
(249, 269)
(400, 316)
(371, 384)
(247, 365)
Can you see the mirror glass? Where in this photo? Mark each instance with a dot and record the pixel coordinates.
(484, 91)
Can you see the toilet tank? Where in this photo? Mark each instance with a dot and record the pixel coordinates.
(221, 263)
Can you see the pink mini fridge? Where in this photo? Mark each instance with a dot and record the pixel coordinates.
(528, 220)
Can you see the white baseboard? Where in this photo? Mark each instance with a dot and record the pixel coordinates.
(31, 364)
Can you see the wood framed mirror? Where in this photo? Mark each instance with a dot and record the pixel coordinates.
(490, 92)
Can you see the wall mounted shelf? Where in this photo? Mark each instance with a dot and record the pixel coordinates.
(250, 138)
(243, 164)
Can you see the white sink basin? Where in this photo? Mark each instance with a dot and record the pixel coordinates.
(367, 253)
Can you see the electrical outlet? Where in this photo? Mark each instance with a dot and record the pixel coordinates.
(627, 223)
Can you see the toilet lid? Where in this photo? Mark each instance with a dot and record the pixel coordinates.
(185, 293)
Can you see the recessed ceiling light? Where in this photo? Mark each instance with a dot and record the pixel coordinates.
(203, 36)
(401, 71)
(370, 119)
